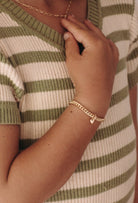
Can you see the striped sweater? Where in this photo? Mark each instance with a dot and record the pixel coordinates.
(35, 88)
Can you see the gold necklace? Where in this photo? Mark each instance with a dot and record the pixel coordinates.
(42, 12)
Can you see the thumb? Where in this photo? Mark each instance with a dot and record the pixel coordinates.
(71, 46)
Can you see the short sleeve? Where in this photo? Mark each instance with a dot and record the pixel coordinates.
(132, 58)
(11, 90)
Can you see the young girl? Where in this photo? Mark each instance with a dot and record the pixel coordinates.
(66, 92)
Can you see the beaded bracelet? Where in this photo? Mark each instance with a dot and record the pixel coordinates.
(88, 113)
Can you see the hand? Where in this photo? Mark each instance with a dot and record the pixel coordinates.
(92, 72)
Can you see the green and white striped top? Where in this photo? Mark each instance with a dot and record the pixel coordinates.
(35, 88)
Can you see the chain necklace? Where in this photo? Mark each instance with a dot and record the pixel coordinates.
(42, 12)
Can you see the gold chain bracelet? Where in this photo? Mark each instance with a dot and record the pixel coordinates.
(93, 117)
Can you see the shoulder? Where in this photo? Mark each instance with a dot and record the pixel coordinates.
(6, 15)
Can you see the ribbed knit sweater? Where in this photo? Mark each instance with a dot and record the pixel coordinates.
(35, 88)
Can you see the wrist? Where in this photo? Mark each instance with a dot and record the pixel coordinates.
(98, 108)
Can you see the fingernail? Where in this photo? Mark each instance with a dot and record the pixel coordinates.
(66, 36)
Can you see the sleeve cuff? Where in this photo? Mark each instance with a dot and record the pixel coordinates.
(9, 113)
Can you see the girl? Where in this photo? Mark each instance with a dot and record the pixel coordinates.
(66, 128)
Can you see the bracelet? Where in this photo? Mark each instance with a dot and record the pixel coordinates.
(93, 117)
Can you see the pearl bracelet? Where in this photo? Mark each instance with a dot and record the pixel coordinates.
(88, 113)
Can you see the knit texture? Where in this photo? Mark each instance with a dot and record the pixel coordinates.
(35, 89)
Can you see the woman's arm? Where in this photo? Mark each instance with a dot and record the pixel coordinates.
(39, 171)
(133, 101)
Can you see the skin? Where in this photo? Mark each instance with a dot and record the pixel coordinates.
(57, 7)
(14, 166)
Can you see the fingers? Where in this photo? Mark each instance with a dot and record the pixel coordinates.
(100, 34)
(92, 27)
(87, 34)
(81, 35)
(82, 25)
(71, 46)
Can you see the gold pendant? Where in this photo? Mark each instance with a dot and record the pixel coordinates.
(92, 120)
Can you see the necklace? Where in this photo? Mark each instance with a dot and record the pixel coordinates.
(42, 12)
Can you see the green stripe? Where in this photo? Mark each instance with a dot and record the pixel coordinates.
(135, 40)
(117, 9)
(94, 13)
(64, 84)
(112, 129)
(4, 59)
(40, 56)
(119, 35)
(127, 197)
(4, 80)
(58, 84)
(36, 56)
(119, 96)
(121, 65)
(48, 85)
(9, 113)
(93, 190)
(133, 54)
(44, 56)
(41, 115)
(100, 134)
(133, 78)
(107, 159)
(13, 31)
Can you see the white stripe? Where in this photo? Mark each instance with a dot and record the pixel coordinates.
(35, 130)
(6, 21)
(132, 65)
(11, 73)
(123, 47)
(110, 144)
(6, 94)
(27, 44)
(46, 100)
(100, 175)
(115, 2)
(113, 23)
(116, 113)
(113, 195)
(131, 199)
(49, 70)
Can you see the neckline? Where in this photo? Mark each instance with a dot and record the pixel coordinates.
(42, 30)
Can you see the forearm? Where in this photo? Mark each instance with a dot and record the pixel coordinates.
(40, 170)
